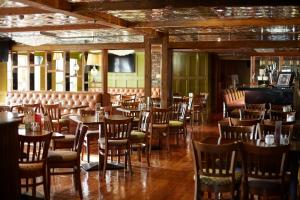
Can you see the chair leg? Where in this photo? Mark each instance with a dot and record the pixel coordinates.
(88, 150)
(48, 182)
(129, 159)
(168, 140)
(139, 153)
(149, 140)
(77, 180)
(104, 163)
(34, 188)
(45, 179)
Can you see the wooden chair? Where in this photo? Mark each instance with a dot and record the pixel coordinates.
(265, 129)
(59, 124)
(155, 101)
(176, 107)
(5, 109)
(178, 125)
(128, 98)
(68, 159)
(252, 114)
(282, 116)
(214, 167)
(264, 170)
(92, 135)
(259, 106)
(140, 138)
(58, 143)
(115, 99)
(238, 133)
(159, 124)
(133, 106)
(243, 122)
(116, 142)
(33, 161)
(278, 107)
(197, 108)
(36, 108)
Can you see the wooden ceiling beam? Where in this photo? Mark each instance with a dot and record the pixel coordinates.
(53, 28)
(65, 7)
(28, 10)
(247, 44)
(80, 47)
(219, 23)
(161, 4)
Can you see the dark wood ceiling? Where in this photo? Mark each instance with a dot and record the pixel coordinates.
(237, 25)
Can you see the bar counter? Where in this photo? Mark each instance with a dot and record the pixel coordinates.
(273, 95)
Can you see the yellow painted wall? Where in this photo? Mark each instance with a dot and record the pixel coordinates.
(3, 82)
(130, 80)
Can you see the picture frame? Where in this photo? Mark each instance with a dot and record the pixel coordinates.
(285, 79)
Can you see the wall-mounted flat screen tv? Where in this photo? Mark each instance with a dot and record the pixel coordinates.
(121, 63)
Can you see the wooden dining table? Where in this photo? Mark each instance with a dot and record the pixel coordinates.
(294, 157)
(93, 120)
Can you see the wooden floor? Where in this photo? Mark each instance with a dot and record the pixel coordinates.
(169, 177)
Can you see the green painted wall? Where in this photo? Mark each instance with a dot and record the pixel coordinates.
(3, 82)
(191, 73)
(130, 80)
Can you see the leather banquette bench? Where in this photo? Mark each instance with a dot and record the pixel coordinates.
(139, 92)
(233, 99)
(66, 99)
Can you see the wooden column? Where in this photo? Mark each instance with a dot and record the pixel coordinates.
(148, 67)
(105, 99)
(166, 73)
(252, 70)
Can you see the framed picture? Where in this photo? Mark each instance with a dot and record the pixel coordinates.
(285, 79)
(123, 64)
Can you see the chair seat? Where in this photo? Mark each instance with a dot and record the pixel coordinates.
(61, 156)
(29, 168)
(91, 133)
(160, 125)
(175, 123)
(137, 136)
(112, 142)
(219, 181)
(67, 138)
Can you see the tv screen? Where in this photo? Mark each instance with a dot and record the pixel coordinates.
(121, 63)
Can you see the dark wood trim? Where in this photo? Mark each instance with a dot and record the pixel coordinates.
(79, 47)
(105, 70)
(5, 11)
(218, 23)
(148, 67)
(161, 4)
(53, 28)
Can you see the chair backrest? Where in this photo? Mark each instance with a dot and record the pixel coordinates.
(160, 116)
(280, 115)
(117, 129)
(4, 109)
(115, 99)
(53, 111)
(259, 106)
(130, 98)
(155, 101)
(243, 122)
(144, 121)
(265, 129)
(79, 138)
(87, 112)
(278, 107)
(252, 114)
(131, 105)
(47, 123)
(32, 108)
(176, 107)
(198, 102)
(34, 149)
(215, 160)
(243, 133)
(264, 162)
